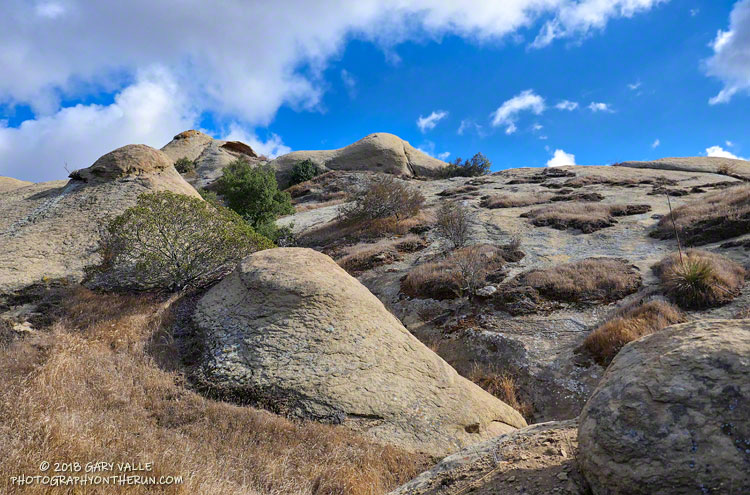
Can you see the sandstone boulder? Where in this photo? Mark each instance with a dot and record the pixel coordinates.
(380, 152)
(291, 330)
(50, 230)
(703, 164)
(210, 155)
(672, 414)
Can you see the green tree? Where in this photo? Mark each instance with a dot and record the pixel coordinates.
(184, 165)
(477, 166)
(253, 193)
(303, 171)
(173, 242)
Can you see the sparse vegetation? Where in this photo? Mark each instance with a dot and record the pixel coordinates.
(502, 385)
(383, 196)
(477, 166)
(365, 256)
(172, 242)
(435, 280)
(589, 280)
(453, 223)
(103, 383)
(700, 279)
(254, 194)
(303, 171)
(629, 324)
(514, 200)
(184, 165)
(714, 217)
(584, 216)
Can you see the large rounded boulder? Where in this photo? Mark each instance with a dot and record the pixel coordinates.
(292, 331)
(672, 414)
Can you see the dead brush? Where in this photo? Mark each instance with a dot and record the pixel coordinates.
(502, 385)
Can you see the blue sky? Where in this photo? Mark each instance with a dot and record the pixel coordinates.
(612, 81)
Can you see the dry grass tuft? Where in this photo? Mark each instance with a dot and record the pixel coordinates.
(502, 385)
(589, 280)
(515, 200)
(436, 280)
(700, 279)
(90, 390)
(628, 325)
(714, 217)
(365, 256)
(583, 216)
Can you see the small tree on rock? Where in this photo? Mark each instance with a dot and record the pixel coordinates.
(477, 166)
(303, 171)
(173, 242)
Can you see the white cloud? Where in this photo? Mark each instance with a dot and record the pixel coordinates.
(470, 125)
(694, 12)
(720, 152)
(151, 111)
(428, 123)
(634, 86)
(444, 155)
(567, 105)
(656, 143)
(428, 148)
(350, 83)
(729, 143)
(57, 50)
(582, 17)
(730, 62)
(600, 107)
(507, 114)
(271, 148)
(560, 158)
(537, 127)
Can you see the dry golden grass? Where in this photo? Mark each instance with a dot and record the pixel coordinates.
(584, 216)
(90, 389)
(436, 280)
(514, 200)
(700, 279)
(365, 256)
(589, 280)
(502, 385)
(628, 325)
(714, 217)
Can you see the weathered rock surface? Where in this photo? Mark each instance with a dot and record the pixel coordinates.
(379, 152)
(703, 164)
(536, 460)
(210, 155)
(50, 230)
(292, 330)
(672, 414)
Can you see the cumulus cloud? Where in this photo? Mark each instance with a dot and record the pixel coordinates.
(730, 62)
(600, 107)
(582, 17)
(567, 105)
(656, 143)
(444, 155)
(507, 113)
(150, 111)
(428, 123)
(560, 158)
(58, 50)
(720, 152)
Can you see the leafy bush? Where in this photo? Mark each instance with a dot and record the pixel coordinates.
(700, 279)
(629, 324)
(209, 195)
(454, 224)
(383, 197)
(254, 194)
(184, 165)
(172, 242)
(303, 171)
(477, 166)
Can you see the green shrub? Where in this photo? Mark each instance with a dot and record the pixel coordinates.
(303, 171)
(209, 195)
(477, 166)
(253, 193)
(172, 242)
(184, 165)
(383, 197)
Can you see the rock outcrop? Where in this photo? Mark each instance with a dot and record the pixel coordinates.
(703, 164)
(291, 330)
(672, 414)
(209, 155)
(379, 152)
(50, 230)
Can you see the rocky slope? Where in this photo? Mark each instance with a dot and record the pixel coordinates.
(49, 230)
(379, 152)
